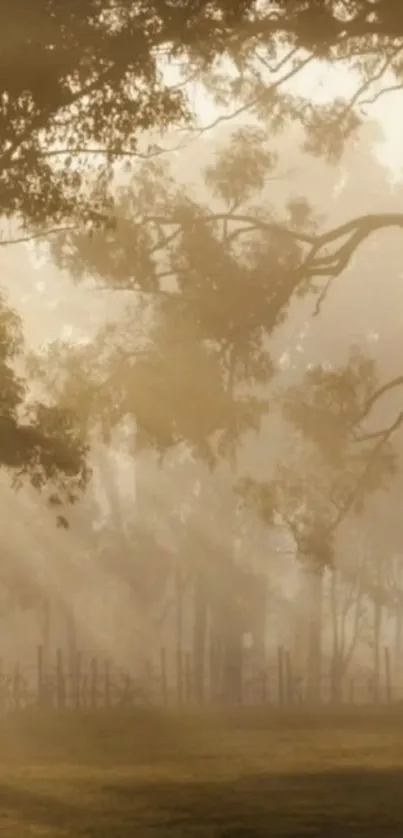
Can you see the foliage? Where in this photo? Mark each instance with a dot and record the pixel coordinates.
(330, 410)
(38, 440)
(86, 74)
(80, 81)
(188, 358)
(333, 472)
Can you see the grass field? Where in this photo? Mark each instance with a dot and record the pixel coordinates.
(235, 776)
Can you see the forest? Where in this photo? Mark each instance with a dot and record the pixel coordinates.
(201, 461)
(200, 334)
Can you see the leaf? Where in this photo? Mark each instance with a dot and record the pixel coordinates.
(241, 169)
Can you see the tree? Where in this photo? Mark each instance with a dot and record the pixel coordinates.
(192, 325)
(38, 439)
(88, 74)
(331, 473)
(81, 81)
(189, 361)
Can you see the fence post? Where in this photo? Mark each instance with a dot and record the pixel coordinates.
(280, 667)
(128, 693)
(148, 682)
(77, 680)
(351, 691)
(388, 682)
(179, 676)
(40, 676)
(94, 684)
(84, 690)
(60, 681)
(212, 668)
(17, 686)
(264, 692)
(188, 678)
(164, 686)
(2, 685)
(289, 678)
(107, 674)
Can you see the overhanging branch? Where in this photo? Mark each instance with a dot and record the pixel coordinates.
(355, 231)
(381, 391)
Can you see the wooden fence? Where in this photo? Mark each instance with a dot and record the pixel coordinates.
(91, 683)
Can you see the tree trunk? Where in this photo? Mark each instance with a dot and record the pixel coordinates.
(179, 632)
(336, 675)
(232, 669)
(377, 649)
(47, 634)
(398, 643)
(199, 637)
(232, 656)
(71, 636)
(312, 605)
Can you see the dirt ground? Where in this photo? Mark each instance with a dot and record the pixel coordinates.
(237, 775)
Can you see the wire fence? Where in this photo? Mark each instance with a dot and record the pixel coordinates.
(84, 682)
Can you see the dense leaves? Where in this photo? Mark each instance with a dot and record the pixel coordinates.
(213, 283)
(189, 360)
(81, 80)
(335, 467)
(76, 76)
(38, 441)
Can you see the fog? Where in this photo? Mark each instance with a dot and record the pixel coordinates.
(118, 583)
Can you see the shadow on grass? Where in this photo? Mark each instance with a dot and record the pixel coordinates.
(328, 805)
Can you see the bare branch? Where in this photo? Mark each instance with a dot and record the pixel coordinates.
(384, 437)
(322, 297)
(253, 222)
(367, 84)
(155, 151)
(357, 230)
(392, 88)
(286, 58)
(261, 97)
(386, 388)
(41, 235)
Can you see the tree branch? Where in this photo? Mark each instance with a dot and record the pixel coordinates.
(254, 222)
(357, 230)
(155, 151)
(392, 88)
(383, 438)
(40, 235)
(257, 100)
(367, 83)
(39, 120)
(386, 388)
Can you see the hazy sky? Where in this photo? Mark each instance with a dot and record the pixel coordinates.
(52, 308)
(323, 83)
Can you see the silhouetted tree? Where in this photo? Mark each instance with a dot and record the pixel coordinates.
(189, 361)
(38, 439)
(333, 468)
(80, 81)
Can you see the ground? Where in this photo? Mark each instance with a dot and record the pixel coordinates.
(237, 775)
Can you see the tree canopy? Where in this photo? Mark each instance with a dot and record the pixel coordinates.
(190, 360)
(80, 81)
(83, 85)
